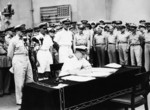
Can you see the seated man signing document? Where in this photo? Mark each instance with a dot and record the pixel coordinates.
(76, 63)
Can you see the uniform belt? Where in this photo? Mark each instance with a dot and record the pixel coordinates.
(122, 42)
(81, 45)
(3, 54)
(112, 43)
(24, 54)
(147, 42)
(101, 44)
(65, 45)
(44, 49)
(135, 44)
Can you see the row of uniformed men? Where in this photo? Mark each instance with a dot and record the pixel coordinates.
(123, 40)
(111, 37)
(89, 36)
(105, 37)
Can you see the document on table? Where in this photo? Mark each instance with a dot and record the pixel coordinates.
(113, 65)
(78, 78)
(60, 86)
(98, 72)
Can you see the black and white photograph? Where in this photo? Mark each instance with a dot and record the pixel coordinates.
(74, 54)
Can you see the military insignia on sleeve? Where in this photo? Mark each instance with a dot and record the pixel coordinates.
(70, 56)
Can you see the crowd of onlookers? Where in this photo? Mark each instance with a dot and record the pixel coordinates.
(29, 52)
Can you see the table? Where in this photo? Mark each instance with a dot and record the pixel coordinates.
(40, 96)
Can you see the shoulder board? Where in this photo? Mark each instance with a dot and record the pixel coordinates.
(70, 56)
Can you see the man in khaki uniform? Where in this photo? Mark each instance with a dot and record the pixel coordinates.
(147, 48)
(111, 42)
(100, 46)
(21, 66)
(80, 38)
(123, 46)
(135, 47)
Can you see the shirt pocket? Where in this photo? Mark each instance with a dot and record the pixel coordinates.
(19, 45)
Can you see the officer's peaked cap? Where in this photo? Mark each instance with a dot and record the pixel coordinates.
(20, 27)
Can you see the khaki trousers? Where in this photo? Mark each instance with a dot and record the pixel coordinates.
(22, 74)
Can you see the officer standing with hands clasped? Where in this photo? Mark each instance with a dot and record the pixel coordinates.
(112, 41)
(44, 55)
(64, 39)
(135, 47)
(123, 45)
(80, 38)
(99, 42)
(21, 66)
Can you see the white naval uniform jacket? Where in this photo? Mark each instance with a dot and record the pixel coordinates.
(64, 39)
(72, 63)
(44, 55)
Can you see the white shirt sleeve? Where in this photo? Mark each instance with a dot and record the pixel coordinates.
(57, 37)
(86, 64)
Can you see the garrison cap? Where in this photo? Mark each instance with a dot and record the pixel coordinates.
(73, 23)
(102, 22)
(88, 25)
(92, 23)
(108, 22)
(106, 27)
(141, 26)
(81, 27)
(122, 26)
(113, 22)
(9, 29)
(43, 25)
(52, 25)
(147, 24)
(133, 26)
(58, 28)
(82, 49)
(35, 40)
(118, 22)
(64, 19)
(51, 30)
(84, 21)
(66, 22)
(142, 21)
(29, 30)
(36, 28)
(127, 24)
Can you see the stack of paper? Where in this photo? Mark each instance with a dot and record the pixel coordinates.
(113, 65)
(110, 70)
(77, 78)
(98, 72)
